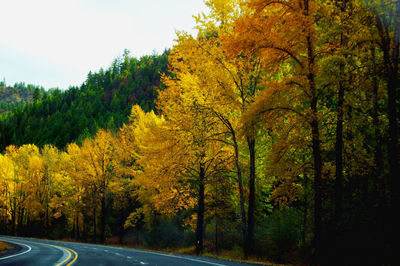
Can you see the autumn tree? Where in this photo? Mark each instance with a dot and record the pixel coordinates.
(98, 155)
(6, 175)
(387, 16)
(228, 85)
(178, 155)
(285, 31)
(74, 194)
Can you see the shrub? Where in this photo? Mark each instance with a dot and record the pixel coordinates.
(279, 235)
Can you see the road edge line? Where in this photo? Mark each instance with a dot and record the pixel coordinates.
(18, 254)
(180, 257)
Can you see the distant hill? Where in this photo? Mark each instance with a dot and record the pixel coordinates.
(19, 94)
(104, 100)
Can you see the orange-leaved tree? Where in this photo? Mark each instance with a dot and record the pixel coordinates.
(283, 33)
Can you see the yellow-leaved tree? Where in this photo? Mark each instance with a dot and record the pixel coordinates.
(179, 154)
(98, 161)
(223, 85)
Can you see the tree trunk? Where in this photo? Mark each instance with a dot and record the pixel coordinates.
(13, 218)
(103, 218)
(250, 212)
(74, 227)
(339, 149)
(391, 61)
(200, 212)
(394, 137)
(120, 234)
(241, 192)
(86, 222)
(375, 116)
(339, 158)
(339, 138)
(47, 203)
(47, 219)
(20, 220)
(216, 234)
(94, 217)
(77, 226)
(316, 148)
(393, 165)
(305, 211)
(317, 188)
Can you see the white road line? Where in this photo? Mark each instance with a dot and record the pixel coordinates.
(178, 257)
(19, 254)
(131, 258)
(66, 252)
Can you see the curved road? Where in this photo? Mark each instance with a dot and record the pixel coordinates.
(45, 252)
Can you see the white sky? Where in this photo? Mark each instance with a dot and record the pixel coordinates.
(55, 43)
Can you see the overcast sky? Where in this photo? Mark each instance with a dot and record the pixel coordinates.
(55, 43)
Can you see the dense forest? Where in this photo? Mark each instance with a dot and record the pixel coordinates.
(273, 134)
(104, 100)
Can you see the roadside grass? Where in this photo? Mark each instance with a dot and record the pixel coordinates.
(4, 247)
(230, 255)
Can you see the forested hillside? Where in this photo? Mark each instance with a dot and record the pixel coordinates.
(275, 137)
(17, 95)
(104, 100)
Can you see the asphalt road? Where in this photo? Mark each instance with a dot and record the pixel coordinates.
(39, 252)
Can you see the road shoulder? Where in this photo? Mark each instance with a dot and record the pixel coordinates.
(8, 248)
